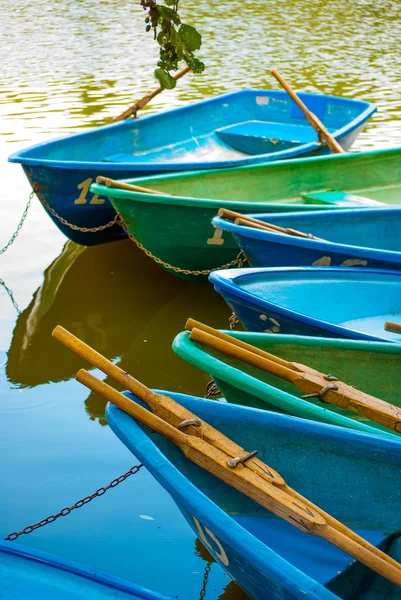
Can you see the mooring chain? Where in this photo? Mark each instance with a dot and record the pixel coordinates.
(66, 511)
(20, 224)
(10, 294)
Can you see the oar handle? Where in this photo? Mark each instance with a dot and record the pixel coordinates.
(130, 187)
(244, 355)
(101, 362)
(310, 116)
(393, 327)
(144, 101)
(131, 408)
(193, 324)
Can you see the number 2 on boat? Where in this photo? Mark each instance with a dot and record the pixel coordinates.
(84, 187)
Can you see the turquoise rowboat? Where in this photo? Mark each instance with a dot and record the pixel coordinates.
(175, 226)
(371, 367)
(28, 574)
(245, 127)
(353, 476)
(340, 302)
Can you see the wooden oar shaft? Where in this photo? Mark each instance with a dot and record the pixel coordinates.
(130, 187)
(245, 355)
(365, 555)
(343, 528)
(293, 508)
(105, 365)
(393, 327)
(241, 219)
(310, 116)
(192, 324)
(163, 406)
(143, 101)
(131, 408)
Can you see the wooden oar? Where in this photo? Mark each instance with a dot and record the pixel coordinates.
(393, 327)
(163, 406)
(241, 219)
(312, 119)
(285, 503)
(311, 382)
(121, 185)
(143, 101)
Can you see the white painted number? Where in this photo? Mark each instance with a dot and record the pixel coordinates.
(220, 554)
(325, 261)
(217, 238)
(82, 199)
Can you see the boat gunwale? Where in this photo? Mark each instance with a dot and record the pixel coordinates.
(251, 384)
(21, 156)
(176, 483)
(313, 244)
(222, 279)
(99, 577)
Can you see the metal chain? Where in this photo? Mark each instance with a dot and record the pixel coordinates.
(66, 511)
(20, 224)
(212, 389)
(205, 579)
(237, 260)
(51, 210)
(9, 292)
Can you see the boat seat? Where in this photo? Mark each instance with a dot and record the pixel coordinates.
(262, 137)
(338, 198)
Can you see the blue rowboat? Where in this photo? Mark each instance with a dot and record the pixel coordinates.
(368, 237)
(28, 573)
(353, 476)
(318, 301)
(371, 367)
(241, 128)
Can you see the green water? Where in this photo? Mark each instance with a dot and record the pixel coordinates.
(73, 64)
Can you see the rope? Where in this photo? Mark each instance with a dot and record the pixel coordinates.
(66, 511)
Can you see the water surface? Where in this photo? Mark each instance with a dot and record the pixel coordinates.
(73, 64)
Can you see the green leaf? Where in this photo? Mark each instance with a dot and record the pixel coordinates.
(165, 79)
(190, 37)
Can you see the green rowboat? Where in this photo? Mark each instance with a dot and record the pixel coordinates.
(372, 367)
(175, 225)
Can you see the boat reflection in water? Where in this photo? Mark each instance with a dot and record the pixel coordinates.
(118, 301)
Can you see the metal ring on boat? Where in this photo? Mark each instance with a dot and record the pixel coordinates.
(238, 460)
(187, 422)
(330, 386)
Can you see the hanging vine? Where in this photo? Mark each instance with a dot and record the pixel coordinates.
(178, 41)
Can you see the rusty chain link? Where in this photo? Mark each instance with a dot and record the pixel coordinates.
(66, 511)
(238, 260)
(119, 220)
(20, 224)
(115, 221)
(10, 294)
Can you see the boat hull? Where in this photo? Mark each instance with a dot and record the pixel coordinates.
(371, 367)
(263, 560)
(203, 135)
(358, 237)
(352, 303)
(29, 573)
